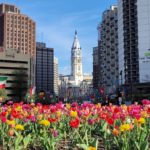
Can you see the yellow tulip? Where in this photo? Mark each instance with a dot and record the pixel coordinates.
(124, 127)
(10, 122)
(44, 122)
(141, 121)
(91, 148)
(19, 127)
(73, 113)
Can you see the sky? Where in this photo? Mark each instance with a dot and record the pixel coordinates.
(56, 22)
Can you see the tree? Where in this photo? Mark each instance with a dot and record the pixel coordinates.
(3, 95)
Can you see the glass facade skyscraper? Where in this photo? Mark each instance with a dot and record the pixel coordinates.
(134, 40)
(44, 68)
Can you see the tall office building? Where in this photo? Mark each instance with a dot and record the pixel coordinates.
(13, 64)
(17, 31)
(44, 68)
(95, 68)
(108, 50)
(134, 41)
(56, 76)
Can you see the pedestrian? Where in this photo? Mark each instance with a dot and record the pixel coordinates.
(106, 102)
(120, 100)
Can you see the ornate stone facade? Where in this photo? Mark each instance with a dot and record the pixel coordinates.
(76, 62)
(75, 85)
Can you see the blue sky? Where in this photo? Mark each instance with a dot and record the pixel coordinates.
(56, 22)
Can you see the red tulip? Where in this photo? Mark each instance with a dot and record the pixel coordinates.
(3, 119)
(110, 121)
(74, 123)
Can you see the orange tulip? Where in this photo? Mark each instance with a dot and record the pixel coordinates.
(115, 132)
(10, 132)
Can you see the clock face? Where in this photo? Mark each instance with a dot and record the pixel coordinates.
(78, 53)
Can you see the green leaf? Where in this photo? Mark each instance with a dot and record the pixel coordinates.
(17, 134)
(144, 145)
(19, 148)
(137, 145)
(18, 142)
(95, 143)
(84, 146)
(26, 140)
(104, 126)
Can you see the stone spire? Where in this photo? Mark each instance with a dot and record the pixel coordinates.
(76, 43)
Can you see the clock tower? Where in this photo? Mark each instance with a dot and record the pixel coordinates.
(76, 61)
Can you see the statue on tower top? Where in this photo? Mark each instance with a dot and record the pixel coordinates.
(75, 32)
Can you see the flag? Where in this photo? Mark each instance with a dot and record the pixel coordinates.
(2, 82)
(32, 90)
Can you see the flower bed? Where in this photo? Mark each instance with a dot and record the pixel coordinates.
(73, 126)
